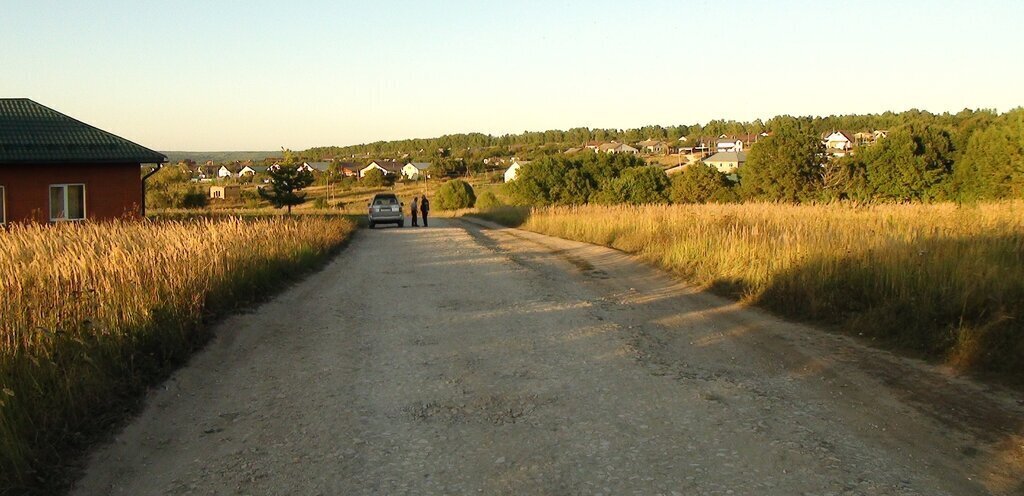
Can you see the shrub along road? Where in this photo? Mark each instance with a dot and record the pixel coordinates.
(470, 359)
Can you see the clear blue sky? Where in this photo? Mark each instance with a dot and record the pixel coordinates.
(236, 75)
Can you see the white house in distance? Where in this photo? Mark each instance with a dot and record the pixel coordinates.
(224, 172)
(229, 192)
(247, 171)
(415, 170)
(388, 167)
(653, 146)
(839, 143)
(727, 162)
(316, 166)
(373, 165)
(614, 147)
(513, 170)
(729, 145)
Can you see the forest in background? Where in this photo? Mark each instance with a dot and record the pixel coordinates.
(960, 124)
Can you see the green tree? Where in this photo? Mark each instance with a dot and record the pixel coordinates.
(487, 200)
(444, 167)
(375, 178)
(454, 194)
(569, 180)
(286, 182)
(636, 186)
(846, 178)
(601, 167)
(700, 183)
(785, 166)
(573, 188)
(476, 167)
(910, 164)
(550, 181)
(192, 197)
(992, 166)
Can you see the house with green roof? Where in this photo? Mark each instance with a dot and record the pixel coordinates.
(54, 168)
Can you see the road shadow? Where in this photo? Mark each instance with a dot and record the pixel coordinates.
(668, 324)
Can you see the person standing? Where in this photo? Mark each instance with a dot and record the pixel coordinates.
(424, 208)
(415, 209)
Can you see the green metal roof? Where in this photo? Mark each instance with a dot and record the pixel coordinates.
(31, 133)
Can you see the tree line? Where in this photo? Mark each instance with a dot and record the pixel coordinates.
(483, 145)
(962, 157)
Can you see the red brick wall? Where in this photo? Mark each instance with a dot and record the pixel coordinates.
(111, 190)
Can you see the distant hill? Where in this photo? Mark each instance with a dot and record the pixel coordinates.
(200, 157)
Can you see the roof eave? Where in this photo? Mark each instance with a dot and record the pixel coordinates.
(148, 160)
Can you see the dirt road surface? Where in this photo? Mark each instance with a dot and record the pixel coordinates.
(464, 359)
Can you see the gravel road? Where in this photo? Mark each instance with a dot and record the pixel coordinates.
(467, 359)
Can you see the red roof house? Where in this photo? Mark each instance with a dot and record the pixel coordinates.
(54, 168)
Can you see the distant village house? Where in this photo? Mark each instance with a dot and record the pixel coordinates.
(231, 192)
(388, 167)
(653, 147)
(838, 143)
(415, 170)
(315, 167)
(727, 162)
(513, 170)
(613, 147)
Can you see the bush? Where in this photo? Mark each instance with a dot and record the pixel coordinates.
(636, 186)
(320, 203)
(488, 200)
(911, 164)
(375, 178)
(700, 183)
(992, 166)
(568, 180)
(784, 167)
(454, 195)
(193, 198)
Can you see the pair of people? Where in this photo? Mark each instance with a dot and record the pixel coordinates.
(422, 207)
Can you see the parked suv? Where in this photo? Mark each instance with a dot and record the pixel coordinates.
(386, 209)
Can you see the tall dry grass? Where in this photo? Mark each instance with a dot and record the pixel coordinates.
(90, 313)
(943, 280)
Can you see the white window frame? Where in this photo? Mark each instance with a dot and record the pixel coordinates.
(84, 202)
(3, 205)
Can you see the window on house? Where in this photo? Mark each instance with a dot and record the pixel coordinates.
(3, 206)
(67, 202)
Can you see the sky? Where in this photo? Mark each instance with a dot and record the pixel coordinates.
(260, 75)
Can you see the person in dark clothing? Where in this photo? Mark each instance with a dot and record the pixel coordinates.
(415, 209)
(424, 208)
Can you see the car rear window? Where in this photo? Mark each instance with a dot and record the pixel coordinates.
(385, 200)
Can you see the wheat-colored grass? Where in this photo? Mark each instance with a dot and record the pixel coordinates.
(89, 312)
(942, 280)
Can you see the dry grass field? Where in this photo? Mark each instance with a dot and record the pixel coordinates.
(943, 281)
(91, 313)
